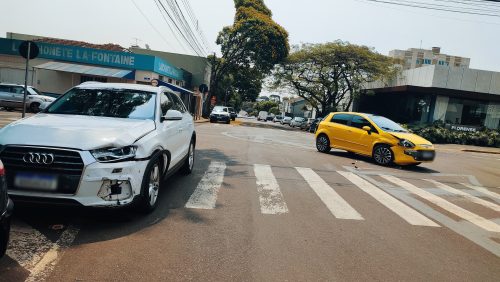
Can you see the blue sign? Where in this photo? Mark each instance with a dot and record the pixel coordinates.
(96, 57)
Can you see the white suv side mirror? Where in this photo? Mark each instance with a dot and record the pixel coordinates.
(172, 115)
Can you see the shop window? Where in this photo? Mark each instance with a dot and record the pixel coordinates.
(85, 78)
(169, 80)
(466, 112)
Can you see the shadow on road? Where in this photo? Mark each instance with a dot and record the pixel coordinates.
(98, 224)
(355, 157)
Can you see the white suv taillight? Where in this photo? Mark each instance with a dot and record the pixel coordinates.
(2, 169)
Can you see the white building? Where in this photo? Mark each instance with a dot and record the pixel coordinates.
(415, 58)
(454, 95)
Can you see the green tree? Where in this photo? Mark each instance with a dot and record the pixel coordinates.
(253, 44)
(274, 111)
(265, 105)
(329, 76)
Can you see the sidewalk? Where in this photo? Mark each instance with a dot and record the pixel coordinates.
(467, 148)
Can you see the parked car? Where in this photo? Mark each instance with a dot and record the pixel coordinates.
(374, 136)
(305, 125)
(232, 113)
(120, 141)
(297, 121)
(286, 120)
(6, 207)
(270, 117)
(278, 118)
(262, 116)
(314, 125)
(220, 113)
(12, 96)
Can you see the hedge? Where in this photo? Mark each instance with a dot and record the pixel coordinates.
(438, 134)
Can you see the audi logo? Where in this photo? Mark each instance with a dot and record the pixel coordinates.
(38, 158)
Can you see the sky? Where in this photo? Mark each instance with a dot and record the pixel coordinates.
(381, 26)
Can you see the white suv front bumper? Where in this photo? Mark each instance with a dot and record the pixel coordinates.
(94, 187)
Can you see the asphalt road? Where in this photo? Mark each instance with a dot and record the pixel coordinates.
(264, 205)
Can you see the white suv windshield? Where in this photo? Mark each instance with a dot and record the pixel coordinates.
(118, 103)
(220, 109)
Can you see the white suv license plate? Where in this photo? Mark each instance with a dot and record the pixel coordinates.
(36, 181)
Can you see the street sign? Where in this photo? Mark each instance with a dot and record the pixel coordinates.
(33, 50)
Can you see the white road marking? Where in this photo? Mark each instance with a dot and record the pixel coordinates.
(465, 214)
(483, 190)
(27, 245)
(333, 201)
(205, 195)
(465, 195)
(410, 215)
(45, 266)
(270, 197)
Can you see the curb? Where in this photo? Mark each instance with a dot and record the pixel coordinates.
(480, 151)
(269, 126)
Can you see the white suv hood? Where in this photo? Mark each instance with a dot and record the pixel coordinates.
(78, 132)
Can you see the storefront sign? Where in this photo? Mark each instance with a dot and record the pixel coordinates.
(96, 57)
(464, 128)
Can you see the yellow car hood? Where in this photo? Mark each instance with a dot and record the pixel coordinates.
(415, 139)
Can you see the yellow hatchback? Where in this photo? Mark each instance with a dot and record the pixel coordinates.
(375, 136)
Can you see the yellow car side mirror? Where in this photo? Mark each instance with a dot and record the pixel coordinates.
(367, 128)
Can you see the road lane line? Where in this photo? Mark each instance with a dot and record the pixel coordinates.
(483, 190)
(405, 212)
(465, 214)
(270, 197)
(465, 195)
(205, 195)
(45, 266)
(333, 201)
(27, 245)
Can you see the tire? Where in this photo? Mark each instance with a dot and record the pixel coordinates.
(383, 155)
(34, 107)
(233, 119)
(228, 121)
(211, 121)
(151, 184)
(323, 143)
(187, 168)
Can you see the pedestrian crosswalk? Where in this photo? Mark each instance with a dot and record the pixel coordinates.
(467, 209)
(272, 199)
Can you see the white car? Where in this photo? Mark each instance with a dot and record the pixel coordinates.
(286, 120)
(12, 96)
(220, 113)
(100, 145)
(262, 116)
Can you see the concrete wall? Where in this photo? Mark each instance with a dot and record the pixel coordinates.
(448, 77)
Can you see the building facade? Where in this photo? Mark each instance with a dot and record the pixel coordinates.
(62, 64)
(415, 58)
(453, 95)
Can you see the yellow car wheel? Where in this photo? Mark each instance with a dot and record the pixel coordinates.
(383, 155)
(323, 143)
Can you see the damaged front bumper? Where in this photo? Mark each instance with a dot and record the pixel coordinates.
(101, 185)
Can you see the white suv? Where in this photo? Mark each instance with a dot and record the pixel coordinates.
(12, 96)
(99, 145)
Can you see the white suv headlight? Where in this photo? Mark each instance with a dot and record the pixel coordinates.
(114, 154)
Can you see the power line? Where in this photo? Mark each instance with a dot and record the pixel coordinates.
(173, 21)
(150, 24)
(434, 7)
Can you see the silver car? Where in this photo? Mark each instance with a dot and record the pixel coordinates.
(297, 121)
(286, 120)
(12, 95)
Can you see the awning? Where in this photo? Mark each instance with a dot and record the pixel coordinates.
(90, 70)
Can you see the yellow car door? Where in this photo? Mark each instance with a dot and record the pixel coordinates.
(362, 139)
(338, 130)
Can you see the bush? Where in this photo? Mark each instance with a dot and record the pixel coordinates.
(438, 134)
